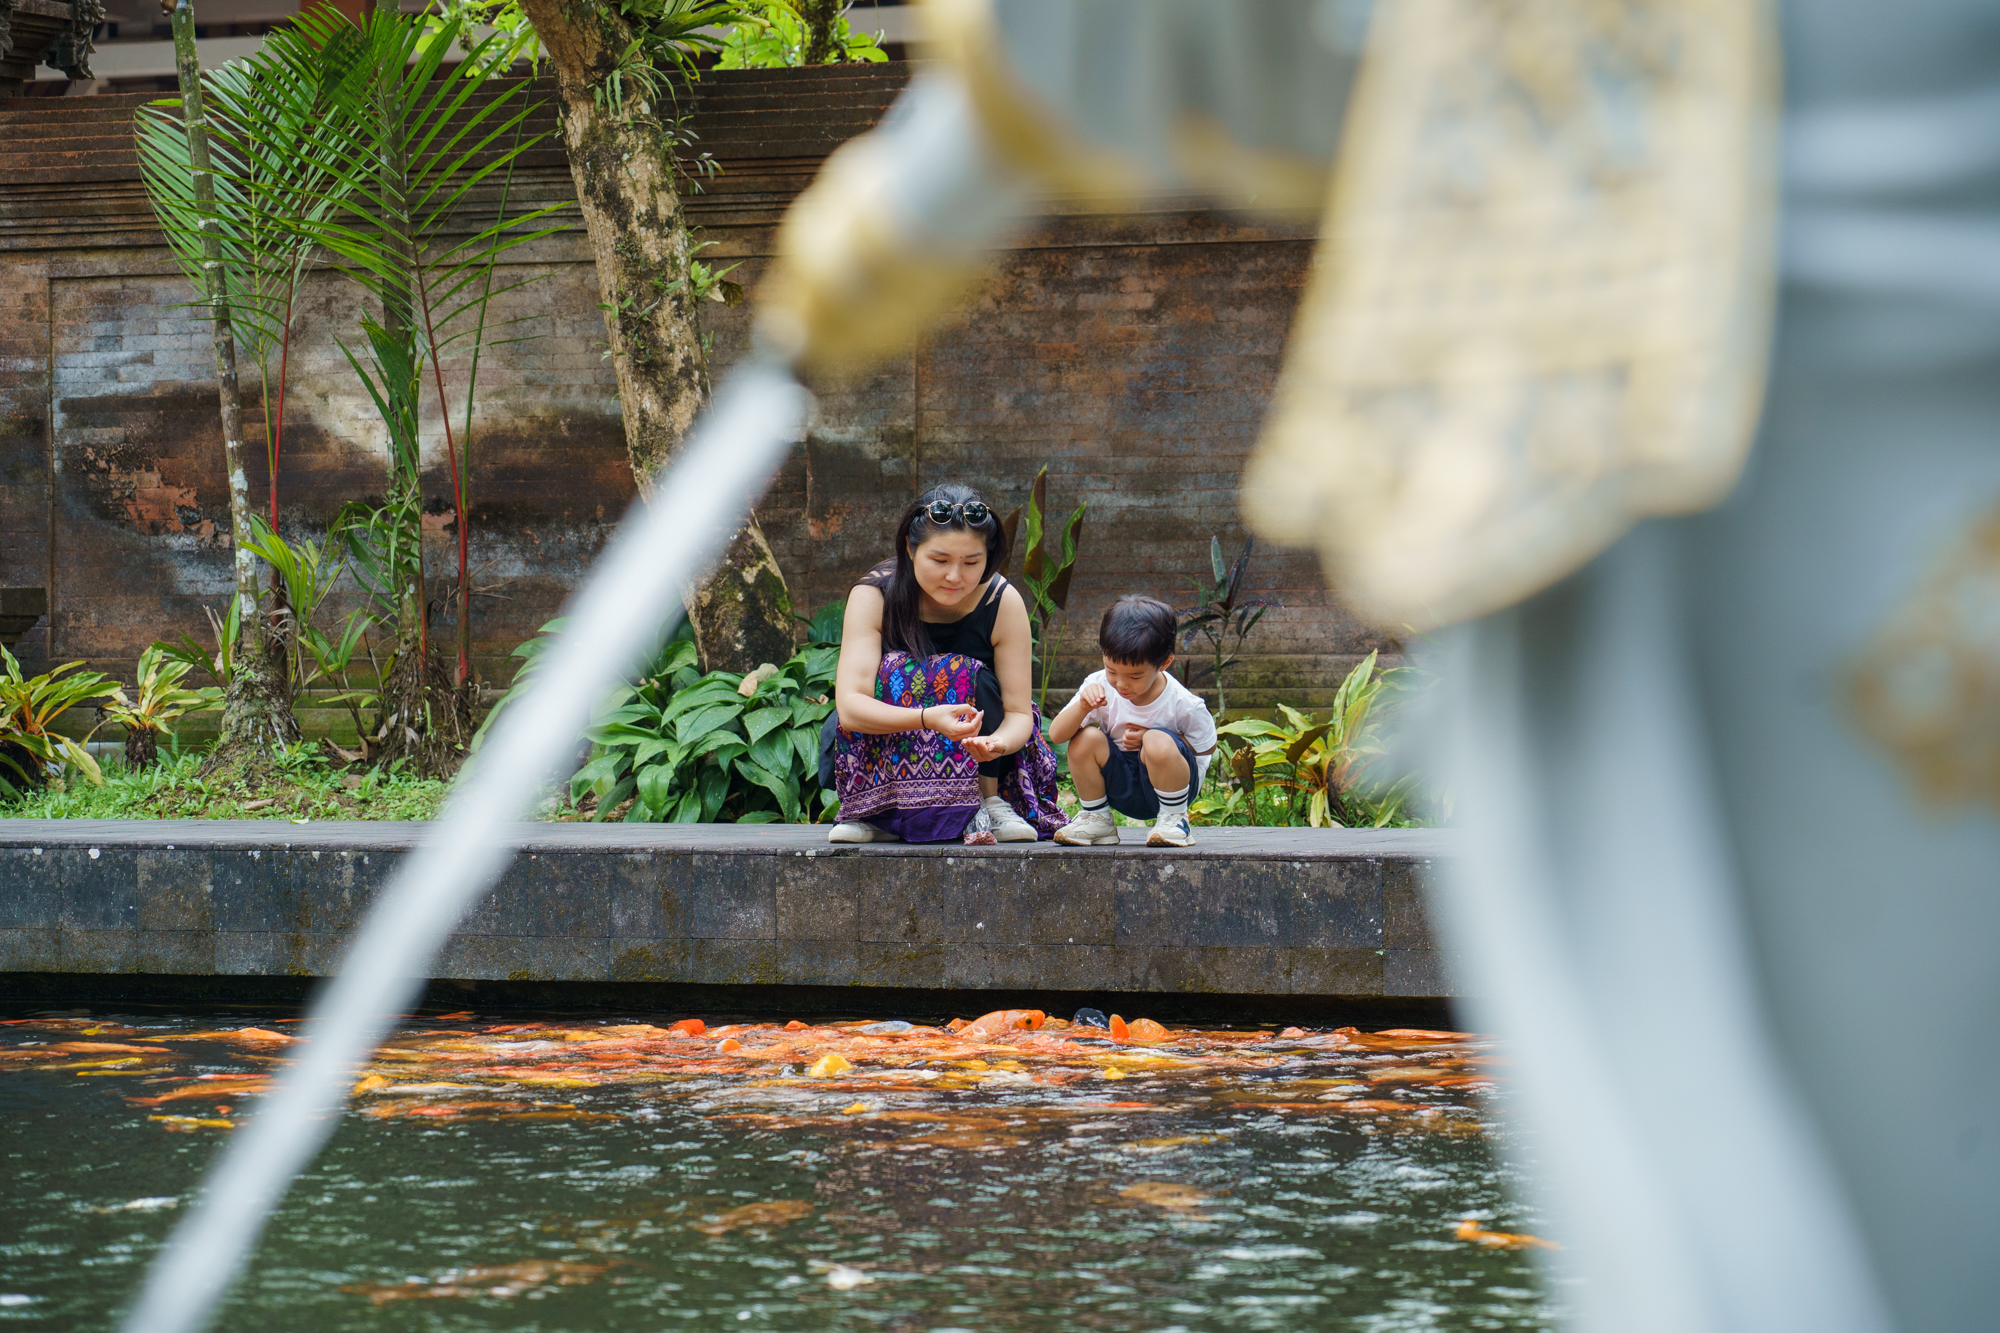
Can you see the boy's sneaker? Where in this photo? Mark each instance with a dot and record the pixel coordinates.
(1171, 831)
(1092, 828)
(1006, 822)
(856, 831)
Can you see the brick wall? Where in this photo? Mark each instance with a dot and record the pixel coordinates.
(1132, 353)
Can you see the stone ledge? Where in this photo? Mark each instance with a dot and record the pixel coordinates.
(1319, 912)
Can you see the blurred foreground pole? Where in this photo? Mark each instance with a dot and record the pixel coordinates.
(1732, 787)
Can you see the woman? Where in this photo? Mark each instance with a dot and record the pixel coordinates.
(933, 737)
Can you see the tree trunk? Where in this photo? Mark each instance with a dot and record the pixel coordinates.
(142, 748)
(628, 187)
(820, 17)
(254, 711)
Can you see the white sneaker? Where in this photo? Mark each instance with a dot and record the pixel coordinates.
(856, 831)
(1171, 831)
(1008, 826)
(1092, 828)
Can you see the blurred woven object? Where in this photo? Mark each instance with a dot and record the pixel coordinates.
(1542, 299)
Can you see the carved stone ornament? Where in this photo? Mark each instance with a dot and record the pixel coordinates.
(1926, 687)
(70, 52)
(1541, 302)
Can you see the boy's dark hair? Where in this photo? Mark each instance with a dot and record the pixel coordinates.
(1137, 629)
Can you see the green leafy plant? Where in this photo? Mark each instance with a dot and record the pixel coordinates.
(307, 787)
(308, 572)
(1221, 615)
(770, 34)
(687, 747)
(159, 700)
(276, 175)
(220, 662)
(1045, 574)
(694, 748)
(30, 747)
(1318, 769)
(411, 135)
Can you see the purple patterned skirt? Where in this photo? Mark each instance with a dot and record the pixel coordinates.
(921, 786)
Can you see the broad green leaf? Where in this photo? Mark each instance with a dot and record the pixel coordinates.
(1305, 740)
(776, 754)
(786, 792)
(758, 724)
(806, 741)
(703, 694)
(610, 800)
(714, 791)
(656, 786)
(697, 725)
(601, 769)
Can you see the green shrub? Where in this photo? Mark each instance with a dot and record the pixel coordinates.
(29, 707)
(1317, 772)
(687, 747)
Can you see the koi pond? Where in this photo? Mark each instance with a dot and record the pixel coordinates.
(587, 1174)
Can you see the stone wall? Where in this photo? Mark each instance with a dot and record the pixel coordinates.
(1306, 912)
(1132, 353)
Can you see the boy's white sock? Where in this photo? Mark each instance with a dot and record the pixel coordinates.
(1173, 804)
(1098, 804)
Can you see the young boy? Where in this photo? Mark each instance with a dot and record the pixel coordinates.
(1142, 742)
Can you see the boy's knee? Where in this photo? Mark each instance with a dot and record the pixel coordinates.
(1158, 745)
(1089, 743)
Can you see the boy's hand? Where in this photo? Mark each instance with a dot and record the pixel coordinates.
(982, 748)
(1132, 736)
(1091, 696)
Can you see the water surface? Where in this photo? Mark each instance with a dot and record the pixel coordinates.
(606, 1175)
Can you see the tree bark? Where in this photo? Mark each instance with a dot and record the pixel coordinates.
(628, 187)
(820, 17)
(254, 711)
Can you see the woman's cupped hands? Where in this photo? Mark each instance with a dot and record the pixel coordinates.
(953, 721)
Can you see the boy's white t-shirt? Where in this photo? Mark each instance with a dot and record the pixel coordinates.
(1176, 710)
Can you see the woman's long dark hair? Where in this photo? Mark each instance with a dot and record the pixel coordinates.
(901, 627)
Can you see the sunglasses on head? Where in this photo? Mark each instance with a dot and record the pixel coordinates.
(973, 512)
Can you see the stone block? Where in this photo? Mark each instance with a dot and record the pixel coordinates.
(184, 952)
(1249, 902)
(34, 949)
(733, 962)
(1418, 972)
(1336, 971)
(818, 898)
(30, 889)
(522, 958)
(100, 887)
(720, 896)
(1404, 922)
(961, 899)
(249, 894)
(546, 895)
(257, 953)
(173, 891)
(324, 891)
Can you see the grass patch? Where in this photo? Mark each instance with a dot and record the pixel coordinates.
(299, 785)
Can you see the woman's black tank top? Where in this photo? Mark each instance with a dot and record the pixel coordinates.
(971, 634)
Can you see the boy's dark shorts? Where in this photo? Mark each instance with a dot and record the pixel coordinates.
(1130, 787)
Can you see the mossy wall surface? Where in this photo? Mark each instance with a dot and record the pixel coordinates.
(1133, 353)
